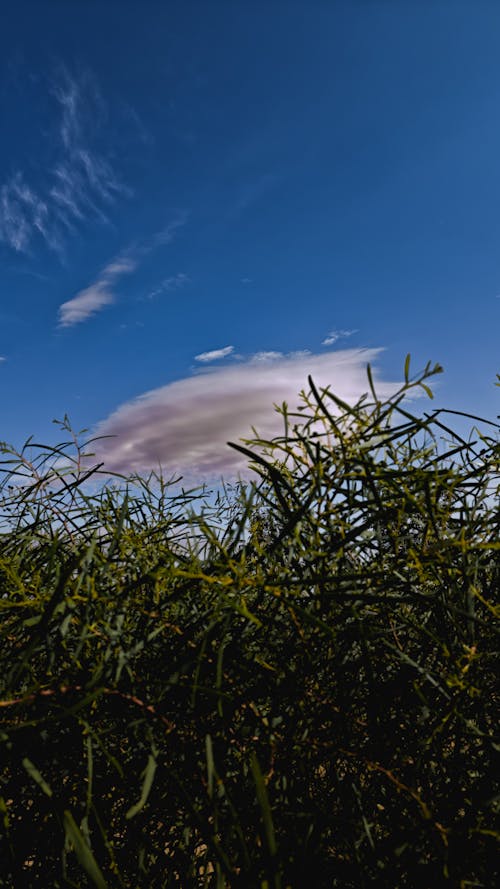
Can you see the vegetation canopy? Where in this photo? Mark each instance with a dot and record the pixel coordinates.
(290, 683)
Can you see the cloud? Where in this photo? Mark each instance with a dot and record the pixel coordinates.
(175, 282)
(83, 178)
(99, 294)
(184, 426)
(69, 95)
(266, 357)
(252, 191)
(76, 185)
(336, 335)
(83, 184)
(214, 355)
(167, 234)
(22, 212)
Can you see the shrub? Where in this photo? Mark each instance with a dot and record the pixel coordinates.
(290, 684)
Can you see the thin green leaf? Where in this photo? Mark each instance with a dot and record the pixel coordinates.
(407, 368)
(149, 773)
(83, 851)
(263, 799)
(211, 773)
(370, 381)
(427, 389)
(37, 777)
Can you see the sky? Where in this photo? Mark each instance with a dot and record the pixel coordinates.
(201, 203)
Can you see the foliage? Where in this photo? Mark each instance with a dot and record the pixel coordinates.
(290, 684)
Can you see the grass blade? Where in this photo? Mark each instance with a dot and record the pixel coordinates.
(82, 851)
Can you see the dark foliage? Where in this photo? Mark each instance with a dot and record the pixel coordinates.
(292, 684)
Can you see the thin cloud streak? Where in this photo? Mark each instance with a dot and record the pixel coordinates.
(335, 335)
(174, 282)
(22, 212)
(184, 427)
(80, 183)
(95, 297)
(68, 94)
(214, 354)
(167, 234)
(100, 293)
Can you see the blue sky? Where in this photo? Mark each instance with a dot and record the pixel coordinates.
(201, 203)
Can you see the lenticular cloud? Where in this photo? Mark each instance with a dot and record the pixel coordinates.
(184, 427)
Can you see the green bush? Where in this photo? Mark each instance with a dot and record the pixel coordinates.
(290, 684)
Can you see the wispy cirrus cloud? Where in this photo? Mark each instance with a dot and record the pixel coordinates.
(268, 357)
(100, 293)
(97, 295)
(252, 191)
(184, 426)
(166, 235)
(335, 335)
(79, 183)
(214, 355)
(22, 213)
(174, 282)
(68, 94)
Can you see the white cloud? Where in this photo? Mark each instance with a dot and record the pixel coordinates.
(266, 357)
(22, 212)
(85, 304)
(120, 266)
(79, 180)
(174, 282)
(336, 335)
(82, 185)
(69, 95)
(99, 294)
(214, 355)
(184, 426)
(167, 234)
